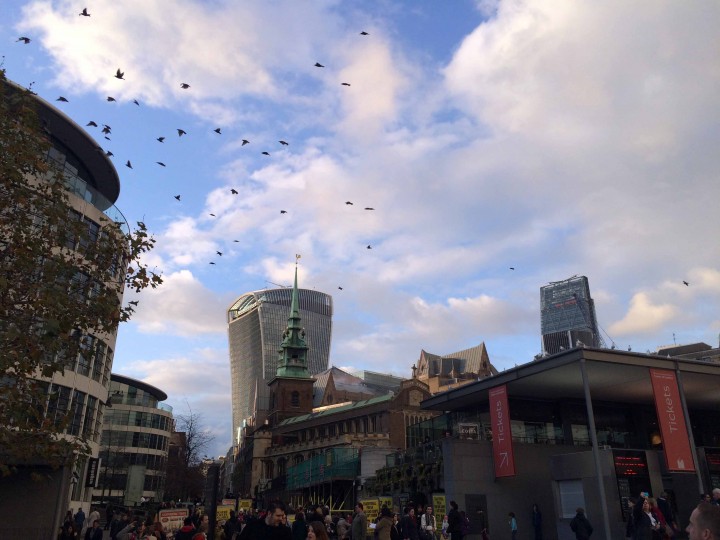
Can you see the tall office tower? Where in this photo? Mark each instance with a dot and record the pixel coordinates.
(256, 322)
(567, 315)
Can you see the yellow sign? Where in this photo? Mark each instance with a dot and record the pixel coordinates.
(245, 504)
(439, 508)
(223, 512)
(372, 509)
(386, 501)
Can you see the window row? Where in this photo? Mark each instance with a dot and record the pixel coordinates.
(121, 460)
(365, 424)
(93, 360)
(73, 412)
(139, 419)
(118, 481)
(134, 439)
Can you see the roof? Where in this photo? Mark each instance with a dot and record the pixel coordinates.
(613, 376)
(471, 360)
(150, 389)
(343, 382)
(336, 410)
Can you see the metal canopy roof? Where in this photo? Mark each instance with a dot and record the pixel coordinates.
(613, 376)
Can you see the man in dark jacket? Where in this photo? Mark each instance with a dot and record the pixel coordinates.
(187, 531)
(408, 525)
(273, 527)
(580, 525)
(454, 522)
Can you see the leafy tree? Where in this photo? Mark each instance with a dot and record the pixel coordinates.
(61, 286)
(185, 476)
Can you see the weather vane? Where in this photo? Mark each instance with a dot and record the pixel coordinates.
(297, 257)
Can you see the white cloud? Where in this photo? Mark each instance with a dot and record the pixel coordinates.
(643, 316)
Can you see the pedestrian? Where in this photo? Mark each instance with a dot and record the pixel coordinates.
(395, 533)
(704, 522)
(580, 525)
(428, 525)
(68, 532)
(270, 527)
(342, 528)
(667, 511)
(660, 517)
(630, 527)
(358, 527)
(79, 519)
(537, 521)
(513, 525)
(187, 531)
(716, 497)
(444, 528)
(408, 525)
(330, 527)
(299, 527)
(645, 523)
(94, 532)
(383, 529)
(317, 531)
(454, 522)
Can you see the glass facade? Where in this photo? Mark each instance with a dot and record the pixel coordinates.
(256, 322)
(567, 315)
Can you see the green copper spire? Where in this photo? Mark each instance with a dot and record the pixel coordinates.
(293, 351)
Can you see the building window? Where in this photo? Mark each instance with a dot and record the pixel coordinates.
(295, 399)
(572, 497)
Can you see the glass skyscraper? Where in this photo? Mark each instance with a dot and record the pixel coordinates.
(256, 322)
(567, 315)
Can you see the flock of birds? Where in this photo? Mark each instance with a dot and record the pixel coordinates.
(106, 130)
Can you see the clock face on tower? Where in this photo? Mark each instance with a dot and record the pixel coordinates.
(415, 397)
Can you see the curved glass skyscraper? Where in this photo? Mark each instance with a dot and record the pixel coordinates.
(256, 322)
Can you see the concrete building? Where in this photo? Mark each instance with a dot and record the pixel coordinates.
(256, 322)
(135, 443)
(455, 369)
(93, 186)
(567, 316)
(588, 427)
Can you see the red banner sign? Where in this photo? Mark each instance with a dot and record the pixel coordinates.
(676, 442)
(501, 432)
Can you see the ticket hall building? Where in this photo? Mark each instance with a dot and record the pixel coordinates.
(582, 428)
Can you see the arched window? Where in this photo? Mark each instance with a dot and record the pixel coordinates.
(295, 399)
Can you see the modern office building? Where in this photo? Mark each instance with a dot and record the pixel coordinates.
(256, 323)
(93, 186)
(134, 444)
(567, 316)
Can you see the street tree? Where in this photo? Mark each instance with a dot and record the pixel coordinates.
(185, 475)
(61, 284)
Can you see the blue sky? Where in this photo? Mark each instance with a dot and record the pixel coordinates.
(558, 138)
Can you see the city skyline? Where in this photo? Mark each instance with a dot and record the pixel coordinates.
(500, 145)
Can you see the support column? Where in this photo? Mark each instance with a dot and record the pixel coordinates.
(691, 438)
(595, 449)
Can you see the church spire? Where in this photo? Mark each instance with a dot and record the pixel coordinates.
(293, 350)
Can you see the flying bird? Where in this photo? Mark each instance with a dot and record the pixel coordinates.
(160, 163)
(119, 74)
(213, 215)
(133, 302)
(219, 253)
(345, 84)
(91, 123)
(369, 246)
(364, 33)
(340, 288)
(160, 139)
(108, 138)
(348, 202)
(217, 130)
(368, 208)
(283, 211)
(236, 240)
(136, 102)
(84, 13)
(24, 39)
(181, 132)
(265, 153)
(283, 143)
(128, 164)
(233, 191)
(686, 283)
(109, 153)
(512, 268)
(110, 98)
(106, 129)
(62, 99)
(212, 262)
(177, 197)
(318, 64)
(244, 142)
(184, 86)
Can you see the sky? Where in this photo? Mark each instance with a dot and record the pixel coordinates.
(501, 145)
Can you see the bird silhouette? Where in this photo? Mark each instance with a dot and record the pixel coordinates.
(244, 142)
(106, 129)
(84, 13)
(184, 86)
(108, 138)
(236, 241)
(181, 132)
(133, 302)
(283, 211)
(368, 208)
(24, 39)
(160, 139)
(283, 143)
(340, 288)
(110, 98)
(120, 74)
(318, 64)
(686, 283)
(364, 33)
(233, 191)
(219, 253)
(212, 262)
(512, 268)
(348, 202)
(160, 163)
(109, 153)
(128, 164)
(62, 99)
(265, 153)
(345, 84)
(91, 123)
(369, 246)
(177, 197)
(213, 215)
(136, 102)
(217, 130)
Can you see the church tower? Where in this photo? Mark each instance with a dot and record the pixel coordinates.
(291, 391)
